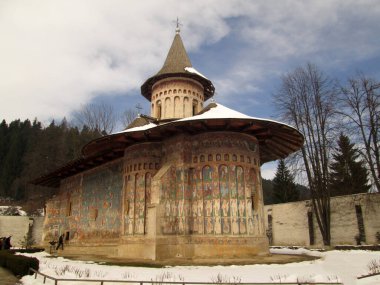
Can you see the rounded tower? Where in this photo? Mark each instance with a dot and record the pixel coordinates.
(177, 90)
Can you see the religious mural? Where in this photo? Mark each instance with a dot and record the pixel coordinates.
(213, 199)
(137, 198)
(101, 203)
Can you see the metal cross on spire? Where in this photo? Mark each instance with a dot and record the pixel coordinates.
(177, 29)
(139, 108)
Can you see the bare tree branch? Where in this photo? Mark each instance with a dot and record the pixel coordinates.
(359, 103)
(98, 117)
(306, 100)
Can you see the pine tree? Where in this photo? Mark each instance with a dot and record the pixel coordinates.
(348, 174)
(284, 188)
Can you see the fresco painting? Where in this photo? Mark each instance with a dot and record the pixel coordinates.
(216, 200)
(137, 198)
(101, 203)
(139, 211)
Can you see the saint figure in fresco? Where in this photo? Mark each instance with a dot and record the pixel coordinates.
(226, 225)
(225, 208)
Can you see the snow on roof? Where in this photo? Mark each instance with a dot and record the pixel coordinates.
(218, 112)
(222, 112)
(135, 129)
(193, 70)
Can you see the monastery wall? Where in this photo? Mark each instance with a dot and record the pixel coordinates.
(18, 227)
(350, 215)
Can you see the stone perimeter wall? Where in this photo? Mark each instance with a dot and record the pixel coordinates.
(351, 216)
(18, 227)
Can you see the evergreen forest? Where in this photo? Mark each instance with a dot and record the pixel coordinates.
(29, 150)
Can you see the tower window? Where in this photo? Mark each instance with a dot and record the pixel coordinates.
(159, 110)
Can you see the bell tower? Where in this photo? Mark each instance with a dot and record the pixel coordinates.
(177, 91)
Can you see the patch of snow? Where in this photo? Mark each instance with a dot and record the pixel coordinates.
(12, 211)
(193, 70)
(222, 112)
(333, 266)
(218, 112)
(135, 129)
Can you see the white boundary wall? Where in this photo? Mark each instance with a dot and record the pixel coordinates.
(290, 225)
(18, 227)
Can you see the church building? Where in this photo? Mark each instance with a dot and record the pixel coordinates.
(182, 183)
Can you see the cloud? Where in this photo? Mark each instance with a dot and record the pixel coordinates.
(57, 55)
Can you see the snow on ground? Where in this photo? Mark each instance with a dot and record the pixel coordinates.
(333, 266)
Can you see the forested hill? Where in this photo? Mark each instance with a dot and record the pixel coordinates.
(29, 150)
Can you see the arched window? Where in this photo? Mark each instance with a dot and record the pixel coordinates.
(186, 106)
(159, 110)
(195, 107)
(177, 107)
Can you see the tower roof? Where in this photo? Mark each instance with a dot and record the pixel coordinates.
(177, 64)
(177, 58)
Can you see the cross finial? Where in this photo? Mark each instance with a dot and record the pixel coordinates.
(177, 29)
(139, 108)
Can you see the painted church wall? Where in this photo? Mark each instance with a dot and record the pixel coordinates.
(216, 191)
(87, 206)
(141, 164)
(101, 202)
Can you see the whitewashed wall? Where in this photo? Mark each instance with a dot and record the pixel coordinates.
(290, 221)
(18, 226)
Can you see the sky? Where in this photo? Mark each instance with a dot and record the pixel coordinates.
(56, 56)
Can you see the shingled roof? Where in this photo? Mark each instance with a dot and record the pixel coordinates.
(177, 64)
(177, 58)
